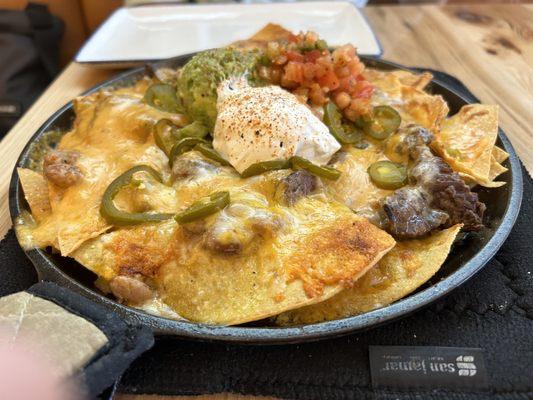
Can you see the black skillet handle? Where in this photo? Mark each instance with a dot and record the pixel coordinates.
(125, 341)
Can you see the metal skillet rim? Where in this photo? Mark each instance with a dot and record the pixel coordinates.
(47, 270)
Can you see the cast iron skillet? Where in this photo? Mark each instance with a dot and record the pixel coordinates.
(469, 255)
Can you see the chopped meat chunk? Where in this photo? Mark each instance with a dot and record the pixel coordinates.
(237, 225)
(409, 214)
(187, 167)
(453, 196)
(415, 138)
(60, 169)
(228, 242)
(437, 197)
(130, 289)
(299, 184)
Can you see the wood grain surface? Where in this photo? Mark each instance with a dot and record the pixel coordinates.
(489, 48)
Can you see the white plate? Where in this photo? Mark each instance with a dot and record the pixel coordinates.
(147, 33)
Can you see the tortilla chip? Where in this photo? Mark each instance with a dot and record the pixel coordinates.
(233, 291)
(329, 248)
(72, 237)
(413, 104)
(75, 216)
(406, 267)
(35, 189)
(385, 81)
(466, 140)
(499, 154)
(424, 109)
(417, 81)
(496, 169)
(269, 33)
(354, 187)
(392, 81)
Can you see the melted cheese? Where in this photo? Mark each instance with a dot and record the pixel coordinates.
(354, 187)
(112, 133)
(267, 123)
(290, 256)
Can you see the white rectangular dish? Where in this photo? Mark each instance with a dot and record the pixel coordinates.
(133, 35)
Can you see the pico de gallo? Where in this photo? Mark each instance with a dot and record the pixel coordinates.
(306, 66)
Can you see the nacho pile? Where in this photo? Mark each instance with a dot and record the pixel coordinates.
(137, 193)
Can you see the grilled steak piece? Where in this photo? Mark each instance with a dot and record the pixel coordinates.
(60, 169)
(448, 192)
(409, 214)
(299, 184)
(437, 197)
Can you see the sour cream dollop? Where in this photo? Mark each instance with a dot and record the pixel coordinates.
(256, 124)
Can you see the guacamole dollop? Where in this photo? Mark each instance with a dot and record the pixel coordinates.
(197, 85)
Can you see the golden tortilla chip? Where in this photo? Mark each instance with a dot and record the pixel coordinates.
(111, 133)
(408, 97)
(499, 154)
(417, 81)
(308, 263)
(496, 169)
(354, 187)
(466, 140)
(386, 81)
(406, 267)
(35, 189)
(424, 109)
(392, 81)
(71, 237)
(307, 269)
(269, 33)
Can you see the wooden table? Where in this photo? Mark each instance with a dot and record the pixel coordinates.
(489, 47)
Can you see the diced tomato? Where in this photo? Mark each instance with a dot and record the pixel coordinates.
(343, 55)
(329, 80)
(294, 72)
(324, 61)
(320, 70)
(313, 55)
(356, 66)
(309, 70)
(347, 84)
(317, 76)
(364, 89)
(317, 95)
(294, 56)
(342, 72)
